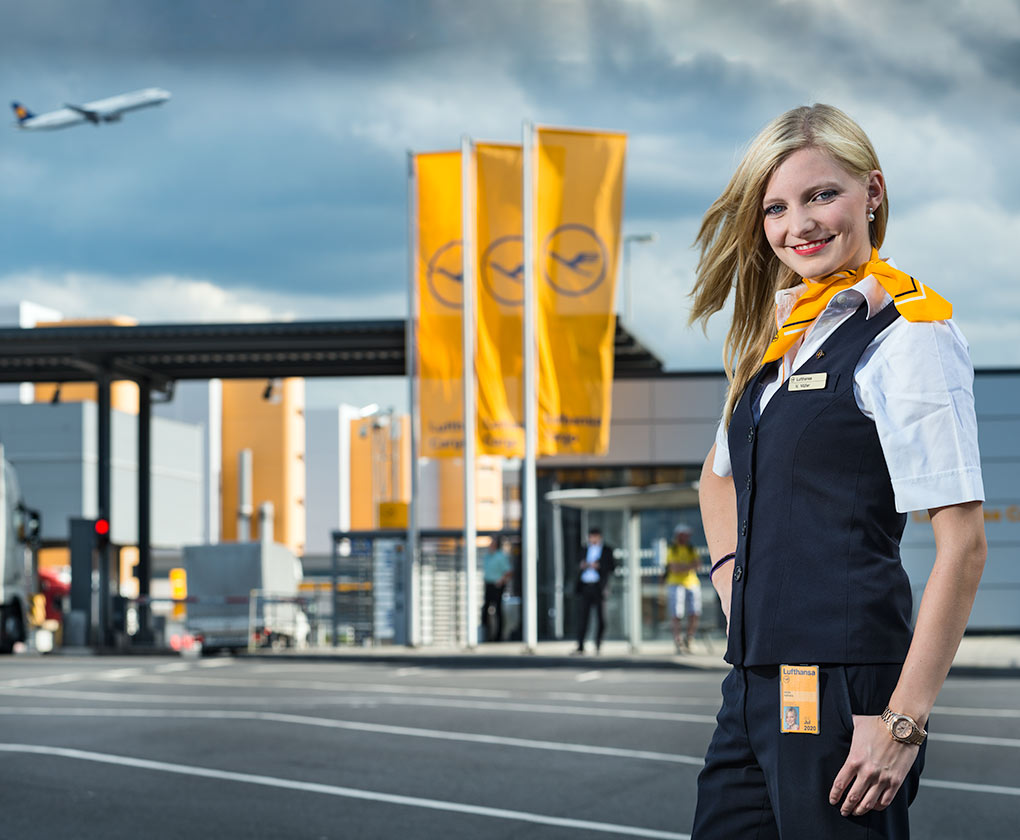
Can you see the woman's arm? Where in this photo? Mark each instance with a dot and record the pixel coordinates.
(877, 764)
(718, 502)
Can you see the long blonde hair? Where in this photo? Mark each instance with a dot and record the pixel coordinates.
(734, 251)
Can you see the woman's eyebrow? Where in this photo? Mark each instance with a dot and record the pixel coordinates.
(807, 193)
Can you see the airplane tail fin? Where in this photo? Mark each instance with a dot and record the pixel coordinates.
(21, 112)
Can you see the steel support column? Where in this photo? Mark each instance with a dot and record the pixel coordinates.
(103, 503)
(143, 571)
(632, 524)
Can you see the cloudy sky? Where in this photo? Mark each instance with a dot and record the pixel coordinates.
(273, 184)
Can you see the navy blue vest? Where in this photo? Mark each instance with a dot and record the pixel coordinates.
(817, 575)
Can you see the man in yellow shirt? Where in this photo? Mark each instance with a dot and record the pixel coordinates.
(682, 586)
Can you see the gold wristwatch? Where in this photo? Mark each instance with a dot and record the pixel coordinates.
(903, 728)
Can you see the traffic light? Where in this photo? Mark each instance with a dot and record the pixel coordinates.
(102, 532)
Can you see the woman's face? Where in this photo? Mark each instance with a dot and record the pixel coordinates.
(816, 213)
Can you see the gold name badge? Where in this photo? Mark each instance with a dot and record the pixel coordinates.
(808, 381)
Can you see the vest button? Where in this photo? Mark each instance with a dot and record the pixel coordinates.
(738, 573)
(750, 434)
(747, 485)
(743, 528)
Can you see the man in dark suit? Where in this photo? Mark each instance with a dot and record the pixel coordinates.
(593, 575)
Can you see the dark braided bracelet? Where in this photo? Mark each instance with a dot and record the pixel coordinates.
(722, 561)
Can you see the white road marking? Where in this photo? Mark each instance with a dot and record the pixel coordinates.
(346, 792)
(970, 788)
(536, 708)
(173, 666)
(215, 663)
(35, 681)
(528, 708)
(963, 711)
(418, 690)
(978, 740)
(975, 739)
(59, 694)
(118, 673)
(588, 676)
(359, 726)
(406, 672)
(395, 695)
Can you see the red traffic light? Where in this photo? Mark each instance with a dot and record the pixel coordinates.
(102, 527)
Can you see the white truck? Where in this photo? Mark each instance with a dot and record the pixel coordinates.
(242, 593)
(19, 527)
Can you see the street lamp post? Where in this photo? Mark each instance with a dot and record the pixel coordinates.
(627, 239)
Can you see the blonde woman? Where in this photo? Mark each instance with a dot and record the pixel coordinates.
(850, 403)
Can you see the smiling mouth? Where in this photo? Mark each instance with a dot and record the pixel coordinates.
(812, 247)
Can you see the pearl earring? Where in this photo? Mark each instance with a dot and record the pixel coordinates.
(871, 215)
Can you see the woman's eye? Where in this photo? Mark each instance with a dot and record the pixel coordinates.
(773, 209)
(825, 195)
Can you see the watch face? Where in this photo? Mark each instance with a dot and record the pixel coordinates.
(902, 729)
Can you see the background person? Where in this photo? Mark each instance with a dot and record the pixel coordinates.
(497, 570)
(683, 589)
(594, 572)
(850, 403)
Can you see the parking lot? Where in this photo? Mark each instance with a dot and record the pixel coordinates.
(162, 747)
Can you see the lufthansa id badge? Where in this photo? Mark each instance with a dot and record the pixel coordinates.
(798, 699)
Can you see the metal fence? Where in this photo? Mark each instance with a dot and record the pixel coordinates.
(369, 587)
(370, 584)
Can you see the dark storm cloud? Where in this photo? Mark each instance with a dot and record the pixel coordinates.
(337, 30)
(252, 28)
(278, 165)
(999, 55)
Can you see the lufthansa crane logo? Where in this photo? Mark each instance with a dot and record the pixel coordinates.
(446, 274)
(575, 260)
(502, 269)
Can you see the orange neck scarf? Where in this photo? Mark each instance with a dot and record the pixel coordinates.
(914, 300)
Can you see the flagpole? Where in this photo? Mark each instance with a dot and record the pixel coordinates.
(412, 634)
(530, 376)
(467, 186)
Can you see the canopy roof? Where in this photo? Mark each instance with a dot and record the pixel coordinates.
(168, 352)
(627, 498)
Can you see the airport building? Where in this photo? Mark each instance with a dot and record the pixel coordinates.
(348, 469)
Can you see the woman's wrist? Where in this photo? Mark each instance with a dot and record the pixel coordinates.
(904, 704)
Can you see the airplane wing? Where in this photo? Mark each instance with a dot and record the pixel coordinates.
(92, 116)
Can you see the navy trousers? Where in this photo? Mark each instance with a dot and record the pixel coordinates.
(758, 784)
(591, 599)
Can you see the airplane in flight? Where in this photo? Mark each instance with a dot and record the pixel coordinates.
(100, 111)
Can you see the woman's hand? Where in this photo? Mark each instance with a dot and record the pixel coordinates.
(874, 769)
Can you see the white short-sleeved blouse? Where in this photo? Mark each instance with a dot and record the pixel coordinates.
(916, 381)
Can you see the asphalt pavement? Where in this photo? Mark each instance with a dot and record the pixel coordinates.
(158, 747)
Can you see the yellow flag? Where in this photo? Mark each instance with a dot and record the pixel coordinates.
(439, 282)
(500, 297)
(578, 209)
